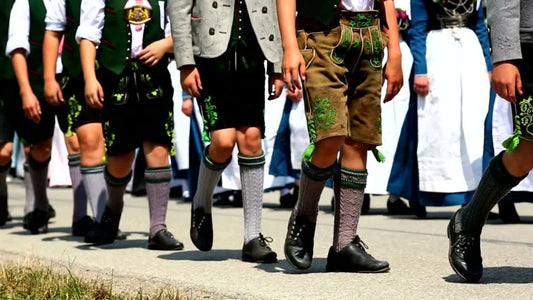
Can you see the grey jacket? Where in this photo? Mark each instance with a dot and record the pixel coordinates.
(203, 28)
(511, 23)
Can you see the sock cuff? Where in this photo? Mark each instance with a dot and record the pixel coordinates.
(257, 161)
(500, 173)
(352, 178)
(113, 181)
(316, 173)
(92, 169)
(74, 160)
(35, 165)
(211, 164)
(6, 167)
(158, 175)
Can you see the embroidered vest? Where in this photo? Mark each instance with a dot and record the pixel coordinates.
(5, 61)
(71, 49)
(115, 46)
(35, 58)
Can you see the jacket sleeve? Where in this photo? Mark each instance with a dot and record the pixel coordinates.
(504, 23)
(180, 12)
(417, 35)
(482, 34)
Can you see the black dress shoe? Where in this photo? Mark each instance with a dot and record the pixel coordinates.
(508, 213)
(121, 235)
(51, 212)
(164, 240)
(83, 226)
(398, 207)
(299, 242)
(354, 258)
(3, 210)
(258, 250)
(37, 221)
(104, 232)
(201, 229)
(464, 253)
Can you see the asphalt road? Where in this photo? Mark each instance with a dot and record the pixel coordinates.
(416, 250)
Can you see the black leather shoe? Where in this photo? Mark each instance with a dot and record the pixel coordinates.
(51, 212)
(464, 253)
(164, 240)
(83, 226)
(201, 229)
(37, 221)
(398, 207)
(121, 235)
(104, 232)
(4, 214)
(354, 258)
(299, 242)
(258, 250)
(507, 212)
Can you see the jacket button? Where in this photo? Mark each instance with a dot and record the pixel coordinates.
(271, 37)
(211, 31)
(264, 10)
(215, 4)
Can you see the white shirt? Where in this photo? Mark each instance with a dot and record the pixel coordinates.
(92, 22)
(356, 5)
(56, 16)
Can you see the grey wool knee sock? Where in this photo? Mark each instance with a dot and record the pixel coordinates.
(158, 190)
(3, 188)
(210, 172)
(115, 191)
(252, 176)
(494, 185)
(39, 179)
(28, 188)
(78, 189)
(349, 188)
(312, 183)
(95, 187)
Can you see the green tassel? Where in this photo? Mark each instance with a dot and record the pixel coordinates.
(378, 155)
(205, 136)
(511, 143)
(308, 153)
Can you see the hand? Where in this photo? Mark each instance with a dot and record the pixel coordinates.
(153, 53)
(506, 81)
(421, 85)
(190, 80)
(275, 86)
(394, 76)
(53, 93)
(295, 96)
(186, 106)
(31, 106)
(293, 68)
(94, 94)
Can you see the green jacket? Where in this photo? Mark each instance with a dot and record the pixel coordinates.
(35, 58)
(5, 62)
(71, 49)
(114, 49)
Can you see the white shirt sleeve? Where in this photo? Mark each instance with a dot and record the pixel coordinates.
(91, 21)
(19, 27)
(56, 16)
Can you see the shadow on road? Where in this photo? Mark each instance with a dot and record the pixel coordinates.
(505, 274)
(213, 255)
(282, 266)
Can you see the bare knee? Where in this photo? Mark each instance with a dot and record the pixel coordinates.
(6, 150)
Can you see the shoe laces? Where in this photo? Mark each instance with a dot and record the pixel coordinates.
(359, 243)
(465, 246)
(296, 230)
(265, 241)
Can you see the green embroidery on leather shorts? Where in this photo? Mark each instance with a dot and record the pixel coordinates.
(378, 123)
(361, 20)
(523, 120)
(169, 127)
(338, 53)
(211, 117)
(109, 136)
(323, 114)
(154, 92)
(526, 114)
(377, 53)
(73, 114)
(120, 96)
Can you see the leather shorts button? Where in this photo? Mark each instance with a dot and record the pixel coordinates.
(264, 10)
(215, 4)
(211, 31)
(271, 37)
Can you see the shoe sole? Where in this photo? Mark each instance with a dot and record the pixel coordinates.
(157, 247)
(294, 264)
(269, 259)
(450, 259)
(332, 269)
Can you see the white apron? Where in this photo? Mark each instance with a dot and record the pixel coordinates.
(451, 118)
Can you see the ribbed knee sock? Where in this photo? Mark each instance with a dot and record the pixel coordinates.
(158, 190)
(39, 179)
(312, 182)
(349, 188)
(494, 185)
(252, 176)
(210, 172)
(78, 189)
(95, 187)
(115, 191)
(28, 188)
